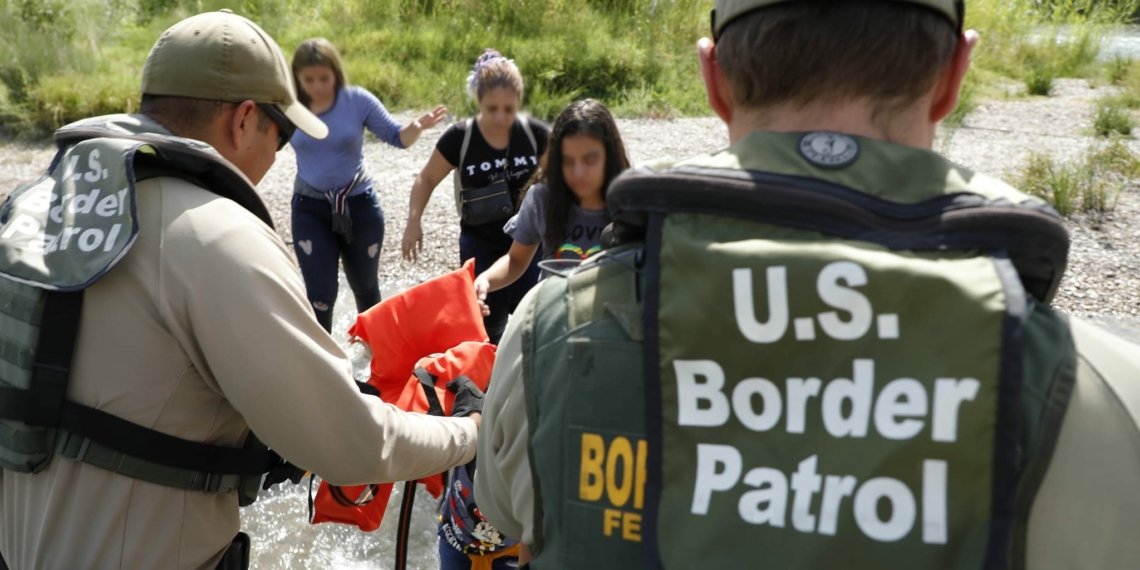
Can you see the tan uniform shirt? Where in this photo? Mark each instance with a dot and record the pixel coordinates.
(203, 332)
(1087, 510)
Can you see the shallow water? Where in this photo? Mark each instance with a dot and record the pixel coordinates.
(1124, 44)
(278, 522)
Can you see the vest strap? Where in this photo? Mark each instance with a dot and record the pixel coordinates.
(133, 440)
(78, 448)
(1031, 234)
(427, 381)
(52, 367)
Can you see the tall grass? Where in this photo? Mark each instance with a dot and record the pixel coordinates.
(1091, 184)
(64, 59)
(637, 55)
(1113, 117)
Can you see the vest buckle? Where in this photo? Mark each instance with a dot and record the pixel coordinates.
(74, 447)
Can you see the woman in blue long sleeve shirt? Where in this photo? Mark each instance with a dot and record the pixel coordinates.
(336, 213)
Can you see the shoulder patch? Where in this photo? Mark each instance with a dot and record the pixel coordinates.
(829, 150)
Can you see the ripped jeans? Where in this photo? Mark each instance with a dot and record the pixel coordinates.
(319, 250)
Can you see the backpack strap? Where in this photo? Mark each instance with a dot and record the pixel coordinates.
(51, 370)
(404, 525)
(525, 124)
(427, 382)
(1034, 237)
(457, 180)
(466, 142)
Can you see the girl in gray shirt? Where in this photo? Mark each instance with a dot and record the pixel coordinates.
(564, 211)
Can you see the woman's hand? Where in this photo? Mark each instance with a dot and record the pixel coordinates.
(482, 287)
(410, 133)
(429, 120)
(413, 243)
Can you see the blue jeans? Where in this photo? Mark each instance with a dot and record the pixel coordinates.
(319, 250)
(502, 302)
(452, 559)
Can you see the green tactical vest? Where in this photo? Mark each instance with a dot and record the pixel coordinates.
(811, 349)
(59, 236)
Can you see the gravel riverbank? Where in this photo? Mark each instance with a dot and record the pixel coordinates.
(1103, 279)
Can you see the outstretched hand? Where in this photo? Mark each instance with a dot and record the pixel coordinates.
(433, 118)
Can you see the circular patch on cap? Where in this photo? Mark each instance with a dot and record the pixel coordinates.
(829, 150)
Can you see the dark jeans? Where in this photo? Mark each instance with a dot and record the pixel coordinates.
(503, 301)
(319, 250)
(452, 559)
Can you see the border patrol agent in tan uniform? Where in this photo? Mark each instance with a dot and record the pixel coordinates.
(825, 346)
(152, 319)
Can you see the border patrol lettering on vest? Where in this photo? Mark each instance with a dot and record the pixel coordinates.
(848, 406)
(92, 203)
(615, 470)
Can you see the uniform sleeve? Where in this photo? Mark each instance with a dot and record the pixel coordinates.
(451, 143)
(377, 119)
(503, 484)
(257, 339)
(526, 227)
(1088, 506)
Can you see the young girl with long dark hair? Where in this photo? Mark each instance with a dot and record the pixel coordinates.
(564, 211)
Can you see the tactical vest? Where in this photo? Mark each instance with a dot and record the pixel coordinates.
(788, 365)
(60, 235)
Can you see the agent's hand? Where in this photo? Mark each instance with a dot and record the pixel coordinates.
(482, 287)
(413, 243)
(282, 473)
(468, 397)
(429, 120)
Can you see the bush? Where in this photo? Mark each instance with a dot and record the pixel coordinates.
(1089, 185)
(1039, 79)
(636, 55)
(1113, 117)
(1117, 69)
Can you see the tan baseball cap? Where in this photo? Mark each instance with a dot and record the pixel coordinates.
(224, 57)
(728, 10)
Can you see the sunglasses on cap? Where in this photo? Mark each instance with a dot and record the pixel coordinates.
(285, 127)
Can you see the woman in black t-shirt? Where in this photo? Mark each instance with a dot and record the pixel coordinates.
(501, 144)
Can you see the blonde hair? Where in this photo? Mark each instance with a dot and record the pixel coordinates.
(317, 51)
(492, 70)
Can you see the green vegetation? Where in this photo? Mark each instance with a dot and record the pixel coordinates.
(1036, 42)
(1113, 117)
(1090, 185)
(1039, 79)
(65, 59)
(1118, 69)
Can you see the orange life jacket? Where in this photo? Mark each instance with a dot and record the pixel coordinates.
(425, 336)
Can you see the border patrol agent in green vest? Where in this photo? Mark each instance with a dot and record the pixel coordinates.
(815, 349)
(150, 318)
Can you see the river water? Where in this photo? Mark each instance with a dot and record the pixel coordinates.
(1124, 44)
(278, 523)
